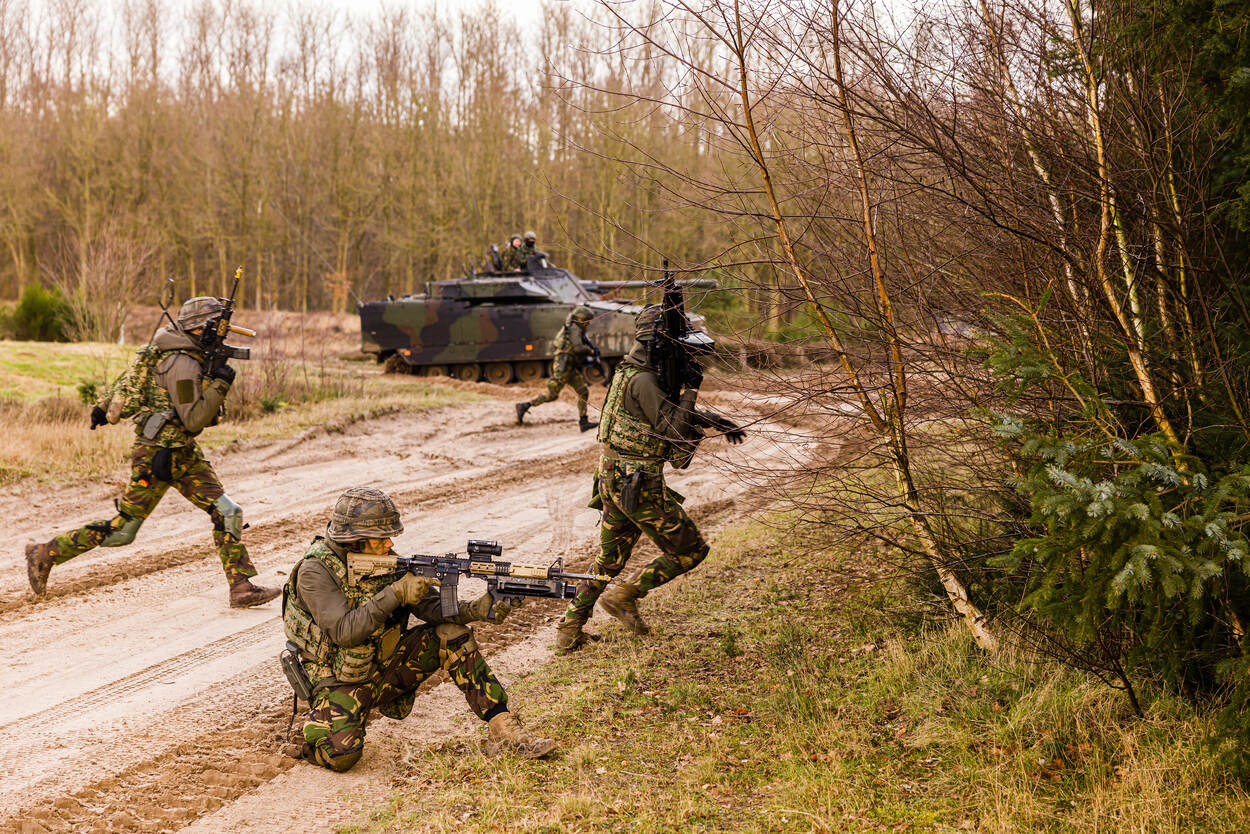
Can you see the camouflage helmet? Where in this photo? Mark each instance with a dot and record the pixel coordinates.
(581, 313)
(647, 322)
(195, 312)
(363, 513)
(530, 237)
(512, 237)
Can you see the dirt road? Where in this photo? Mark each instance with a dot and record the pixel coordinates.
(135, 700)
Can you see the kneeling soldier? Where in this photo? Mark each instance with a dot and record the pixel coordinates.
(359, 652)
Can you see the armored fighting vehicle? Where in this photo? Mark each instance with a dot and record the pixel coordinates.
(497, 326)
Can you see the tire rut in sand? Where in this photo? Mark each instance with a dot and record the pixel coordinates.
(220, 765)
(33, 725)
(294, 527)
(171, 790)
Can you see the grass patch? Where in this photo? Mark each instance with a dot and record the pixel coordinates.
(31, 371)
(771, 697)
(47, 435)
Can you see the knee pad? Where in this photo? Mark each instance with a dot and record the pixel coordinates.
(338, 762)
(123, 533)
(231, 516)
(455, 642)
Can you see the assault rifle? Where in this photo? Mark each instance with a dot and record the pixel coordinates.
(505, 581)
(675, 356)
(595, 360)
(213, 341)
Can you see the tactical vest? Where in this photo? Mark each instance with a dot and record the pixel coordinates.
(142, 395)
(628, 436)
(563, 343)
(322, 657)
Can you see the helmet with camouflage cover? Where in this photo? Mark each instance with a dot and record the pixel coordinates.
(530, 237)
(195, 312)
(581, 313)
(648, 322)
(363, 513)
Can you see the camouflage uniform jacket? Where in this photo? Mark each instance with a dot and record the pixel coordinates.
(346, 630)
(571, 346)
(639, 423)
(511, 257)
(527, 251)
(177, 386)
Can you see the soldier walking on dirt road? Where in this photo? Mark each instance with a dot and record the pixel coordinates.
(641, 429)
(172, 401)
(573, 350)
(358, 651)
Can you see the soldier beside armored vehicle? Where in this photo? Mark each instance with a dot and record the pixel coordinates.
(496, 325)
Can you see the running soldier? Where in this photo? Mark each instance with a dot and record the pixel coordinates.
(171, 402)
(358, 650)
(573, 351)
(641, 429)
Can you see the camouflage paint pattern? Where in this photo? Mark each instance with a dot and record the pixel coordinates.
(193, 476)
(364, 512)
(492, 318)
(659, 514)
(335, 729)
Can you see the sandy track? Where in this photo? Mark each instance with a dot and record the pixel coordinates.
(137, 701)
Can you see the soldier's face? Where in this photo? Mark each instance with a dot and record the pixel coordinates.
(376, 547)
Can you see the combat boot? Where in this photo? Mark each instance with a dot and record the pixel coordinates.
(38, 566)
(584, 424)
(521, 408)
(506, 735)
(570, 637)
(244, 594)
(621, 601)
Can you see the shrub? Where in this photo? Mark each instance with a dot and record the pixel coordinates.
(89, 391)
(40, 315)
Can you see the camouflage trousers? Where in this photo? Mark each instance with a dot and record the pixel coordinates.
(658, 513)
(571, 376)
(335, 729)
(191, 475)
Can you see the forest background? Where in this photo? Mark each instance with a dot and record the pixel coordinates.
(1016, 229)
(330, 153)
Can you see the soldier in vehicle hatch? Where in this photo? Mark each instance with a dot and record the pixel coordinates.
(641, 429)
(358, 651)
(511, 255)
(528, 249)
(573, 352)
(171, 401)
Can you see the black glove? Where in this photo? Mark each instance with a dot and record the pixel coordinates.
(692, 376)
(98, 418)
(224, 372)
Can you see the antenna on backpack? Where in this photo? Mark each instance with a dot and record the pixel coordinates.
(166, 299)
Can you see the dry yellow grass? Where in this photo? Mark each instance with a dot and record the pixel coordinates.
(295, 383)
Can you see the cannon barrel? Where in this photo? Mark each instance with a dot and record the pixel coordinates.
(607, 286)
